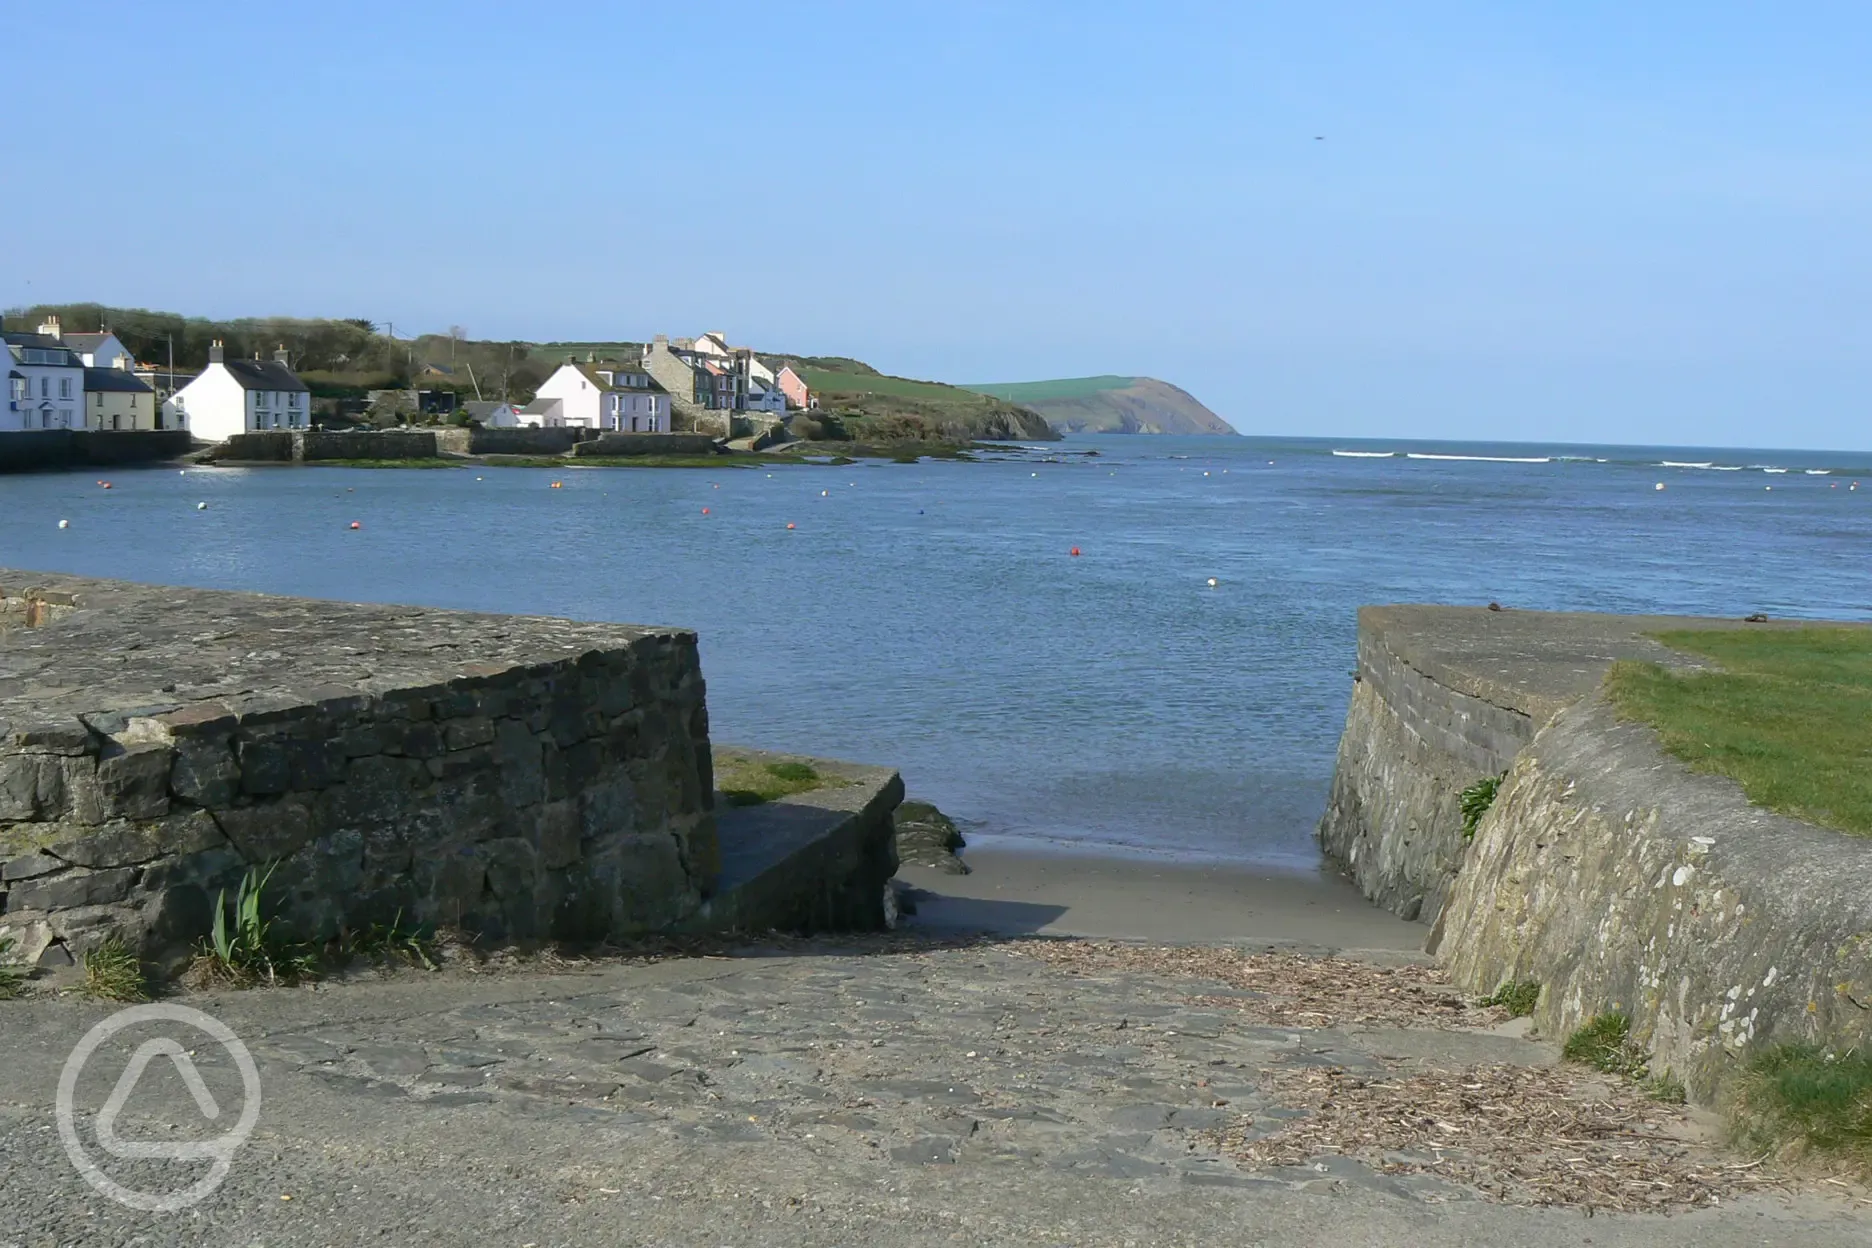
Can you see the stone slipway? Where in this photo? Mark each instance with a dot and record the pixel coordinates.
(1605, 871)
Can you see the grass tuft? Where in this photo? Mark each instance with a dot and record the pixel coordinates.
(1604, 1042)
(1796, 1099)
(113, 973)
(1474, 802)
(1784, 717)
(1518, 997)
(246, 947)
(392, 943)
(12, 974)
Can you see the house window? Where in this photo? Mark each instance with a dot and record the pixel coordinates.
(65, 415)
(292, 399)
(64, 387)
(45, 387)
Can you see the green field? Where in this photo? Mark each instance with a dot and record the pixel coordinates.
(1785, 716)
(826, 381)
(554, 353)
(1063, 388)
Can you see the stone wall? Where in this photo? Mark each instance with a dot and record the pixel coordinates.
(299, 445)
(647, 444)
(518, 777)
(1617, 880)
(525, 441)
(273, 446)
(33, 449)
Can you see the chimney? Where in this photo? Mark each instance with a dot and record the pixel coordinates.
(216, 352)
(591, 357)
(50, 328)
(281, 356)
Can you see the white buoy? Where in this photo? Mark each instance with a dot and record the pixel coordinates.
(1660, 485)
(1205, 474)
(1212, 582)
(201, 506)
(1033, 474)
(825, 493)
(64, 524)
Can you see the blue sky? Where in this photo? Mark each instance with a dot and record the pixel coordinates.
(1570, 220)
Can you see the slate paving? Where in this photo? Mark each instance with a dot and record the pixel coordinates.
(824, 1094)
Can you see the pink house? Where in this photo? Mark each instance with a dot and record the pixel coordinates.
(794, 387)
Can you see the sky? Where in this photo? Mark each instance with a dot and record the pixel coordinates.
(1563, 220)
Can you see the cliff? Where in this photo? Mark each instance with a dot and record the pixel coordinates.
(1112, 405)
(875, 407)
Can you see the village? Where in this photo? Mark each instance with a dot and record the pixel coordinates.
(90, 381)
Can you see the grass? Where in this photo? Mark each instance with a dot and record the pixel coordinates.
(1604, 1042)
(745, 782)
(1474, 802)
(12, 974)
(1062, 388)
(245, 946)
(113, 973)
(729, 460)
(1797, 1099)
(391, 943)
(382, 463)
(1785, 716)
(1518, 997)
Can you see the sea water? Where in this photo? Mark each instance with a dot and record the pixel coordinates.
(932, 616)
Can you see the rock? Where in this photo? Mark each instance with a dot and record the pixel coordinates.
(928, 838)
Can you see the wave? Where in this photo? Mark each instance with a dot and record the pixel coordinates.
(1819, 472)
(1366, 454)
(1486, 459)
(1673, 463)
(1766, 469)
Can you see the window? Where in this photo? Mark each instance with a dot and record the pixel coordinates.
(64, 387)
(45, 387)
(65, 415)
(292, 399)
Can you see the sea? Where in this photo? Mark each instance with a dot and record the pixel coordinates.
(1137, 647)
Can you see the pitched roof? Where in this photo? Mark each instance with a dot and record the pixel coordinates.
(543, 407)
(86, 342)
(590, 373)
(43, 342)
(114, 379)
(263, 375)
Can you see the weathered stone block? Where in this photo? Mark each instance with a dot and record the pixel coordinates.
(29, 866)
(77, 887)
(32, 786)
(133, 779)
(462, 734)
(131, 844)
(559, 831)
(204, 771)
(269, 831)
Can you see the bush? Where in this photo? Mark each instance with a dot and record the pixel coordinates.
(1518, 997)
(1474, 802)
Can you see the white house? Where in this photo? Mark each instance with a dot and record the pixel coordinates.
(100, 350)
(766, 397)
(45, 384)
(240, 396)
(491, 415)
(600, 394)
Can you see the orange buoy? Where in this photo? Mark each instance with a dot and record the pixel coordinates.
(1075, 551)
(105, 484)
(356, 525)
(705, 511)
(789, 526)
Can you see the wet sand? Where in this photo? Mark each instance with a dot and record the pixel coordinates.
(1063, 893)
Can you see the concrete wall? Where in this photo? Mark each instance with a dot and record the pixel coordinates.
(518, 777)
(1617, 880)
(647, 444)
(72, 448)
(1604, 871)
(524, 441)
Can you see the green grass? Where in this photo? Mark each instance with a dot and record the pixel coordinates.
(113, 973)
(731, 460)
(1604, 1042)
(1474, 802)
(1062, 388)
(247, 947)
(12, 974)
(826, 381)
(744, 781)
(392, 943)
(1518, 997)
(381, 463)
(1796, 1099)
(1785, 717)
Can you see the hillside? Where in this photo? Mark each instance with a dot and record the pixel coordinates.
(1111, 405)
(897, 406)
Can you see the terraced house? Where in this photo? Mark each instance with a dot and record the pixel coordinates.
(45, 384)
(601, 394)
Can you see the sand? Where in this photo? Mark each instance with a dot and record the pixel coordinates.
(1058, 892)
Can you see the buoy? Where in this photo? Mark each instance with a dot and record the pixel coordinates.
(557, 485)
(1658, 486)
(1212, 582)
(64, 524)
(181, 472)
(789, 526)
(1075, 551)
(356, 525)
(825, 493)
(1205, 474)
(705, 511)
(1033, 474)
(201, 506)
(919, 511)
(105, 484)
(1767, 487)
(477, 478)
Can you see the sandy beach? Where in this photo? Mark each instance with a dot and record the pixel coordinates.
(1062, 893)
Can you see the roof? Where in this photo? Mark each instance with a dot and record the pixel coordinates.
(543, 407)
(43, 342)
(484, 407)
(263, 375)
(114, 379)
(590, 373)
(86, 342)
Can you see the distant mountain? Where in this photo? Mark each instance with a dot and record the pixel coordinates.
(1111, 405)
